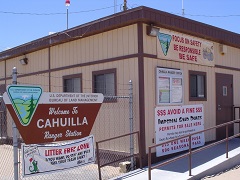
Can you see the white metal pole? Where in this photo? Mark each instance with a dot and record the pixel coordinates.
(182, 9)
(67, 4)
(15, 132)
(115, 6)
(67, 17)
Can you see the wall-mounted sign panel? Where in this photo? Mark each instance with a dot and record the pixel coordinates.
(184, 48)
(169, 86)
(41, 159)
(174, 121)
(43, 117)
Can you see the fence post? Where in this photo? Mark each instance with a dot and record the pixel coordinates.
(15, 132)
(131, 123)
(1, 118)
(98, 161)
(190, 155)
(227, 141)
(149, 163)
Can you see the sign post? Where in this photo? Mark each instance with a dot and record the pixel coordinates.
(15, 132)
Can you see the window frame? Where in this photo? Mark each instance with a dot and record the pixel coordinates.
(198, 73)
(102, 72)
(79, 75)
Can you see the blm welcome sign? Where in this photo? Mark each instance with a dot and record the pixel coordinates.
(43, 117)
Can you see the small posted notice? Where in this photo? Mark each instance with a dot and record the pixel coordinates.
(40, 159)
(174, 121)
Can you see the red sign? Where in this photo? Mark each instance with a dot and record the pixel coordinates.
(57, 117)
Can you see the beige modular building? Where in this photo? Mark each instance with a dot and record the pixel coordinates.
(146, 46)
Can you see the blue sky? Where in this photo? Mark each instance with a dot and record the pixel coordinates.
(25, 21)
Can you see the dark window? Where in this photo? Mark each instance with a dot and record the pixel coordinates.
(2, 89)
(105, 82)
(197, 86)
(72, 83)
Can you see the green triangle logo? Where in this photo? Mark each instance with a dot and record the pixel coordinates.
(165, 40)
(24, 100)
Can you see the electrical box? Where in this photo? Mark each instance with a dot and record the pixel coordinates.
(222, 49)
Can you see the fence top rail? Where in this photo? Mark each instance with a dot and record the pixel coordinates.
(185, 136)
(136, 132)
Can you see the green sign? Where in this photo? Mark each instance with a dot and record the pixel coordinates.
(24, 100)
(165, 40)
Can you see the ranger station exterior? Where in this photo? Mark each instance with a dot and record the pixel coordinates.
(146, 46)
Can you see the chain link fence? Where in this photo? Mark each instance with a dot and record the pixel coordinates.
(115, 118)
(109, 157)
(6, 148)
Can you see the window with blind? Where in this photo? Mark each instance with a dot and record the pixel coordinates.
(72, 83)
(104, 82)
